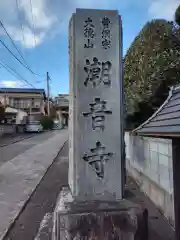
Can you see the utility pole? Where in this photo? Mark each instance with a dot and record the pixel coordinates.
(48, 107)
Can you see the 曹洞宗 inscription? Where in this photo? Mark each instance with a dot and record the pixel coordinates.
(106, 33)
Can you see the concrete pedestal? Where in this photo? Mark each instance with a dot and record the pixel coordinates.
(98, 220)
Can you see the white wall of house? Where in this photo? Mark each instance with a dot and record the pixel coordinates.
(20, 116)
(60, 118)
(149, 162)
(2, 99)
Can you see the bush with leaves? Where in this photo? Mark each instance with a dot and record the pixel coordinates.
(2, 112)
(177, 15)
(151, 65)
(46, 122)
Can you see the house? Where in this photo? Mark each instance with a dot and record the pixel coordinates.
(13, 115)
(14, 121)
(30, 100)
(62, 100)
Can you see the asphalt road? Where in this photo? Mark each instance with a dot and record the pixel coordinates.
(12, 150)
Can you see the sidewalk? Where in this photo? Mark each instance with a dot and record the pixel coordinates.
(20, 177)
(159, 229)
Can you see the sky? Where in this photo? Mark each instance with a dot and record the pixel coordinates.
(39, 30)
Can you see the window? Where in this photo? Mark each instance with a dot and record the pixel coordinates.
(32, 102)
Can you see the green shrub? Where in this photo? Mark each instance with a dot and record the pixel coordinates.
(2, 112)
(177, 15)
(46, 122)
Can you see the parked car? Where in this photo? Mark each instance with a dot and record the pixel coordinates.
(56, 124)
(34, 126)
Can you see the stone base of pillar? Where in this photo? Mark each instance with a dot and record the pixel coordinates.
(98, 220)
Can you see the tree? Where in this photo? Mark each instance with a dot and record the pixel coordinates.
(177, 15)
(46, 122)
(2, 112)
(53, 112)
(151, 65)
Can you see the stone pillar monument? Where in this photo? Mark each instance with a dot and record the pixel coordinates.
(92, 207)
(96, 106)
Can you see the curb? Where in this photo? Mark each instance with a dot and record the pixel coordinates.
(29, 197)
(19, 140)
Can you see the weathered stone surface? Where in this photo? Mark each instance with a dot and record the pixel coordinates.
(96, 105)
(45, 229)
(98, 220)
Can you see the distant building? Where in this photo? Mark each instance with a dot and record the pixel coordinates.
(62, 100)
(62, 105)
(32, 101)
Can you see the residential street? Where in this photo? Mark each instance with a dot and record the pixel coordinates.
(21, 174)
(12, 150)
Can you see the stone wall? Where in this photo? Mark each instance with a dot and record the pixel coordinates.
(149, 162)
(7, 129)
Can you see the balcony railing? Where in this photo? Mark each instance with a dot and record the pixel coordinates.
(23, 106)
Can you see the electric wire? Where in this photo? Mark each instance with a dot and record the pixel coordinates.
(18, 58)
(20, 22)
(15, 73)
(16, 47)
(33, 23)
(2, 25)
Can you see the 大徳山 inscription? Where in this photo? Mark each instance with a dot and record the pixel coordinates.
(89, 33)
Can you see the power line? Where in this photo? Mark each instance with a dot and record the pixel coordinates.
(15, 46)
(18, 59)
(33, 22)
(15, 73)
(12, 71)
(21, 25)
(39, 81)
(13, 43)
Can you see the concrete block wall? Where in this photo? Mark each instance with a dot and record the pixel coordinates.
(7, 129)
(149, 162)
